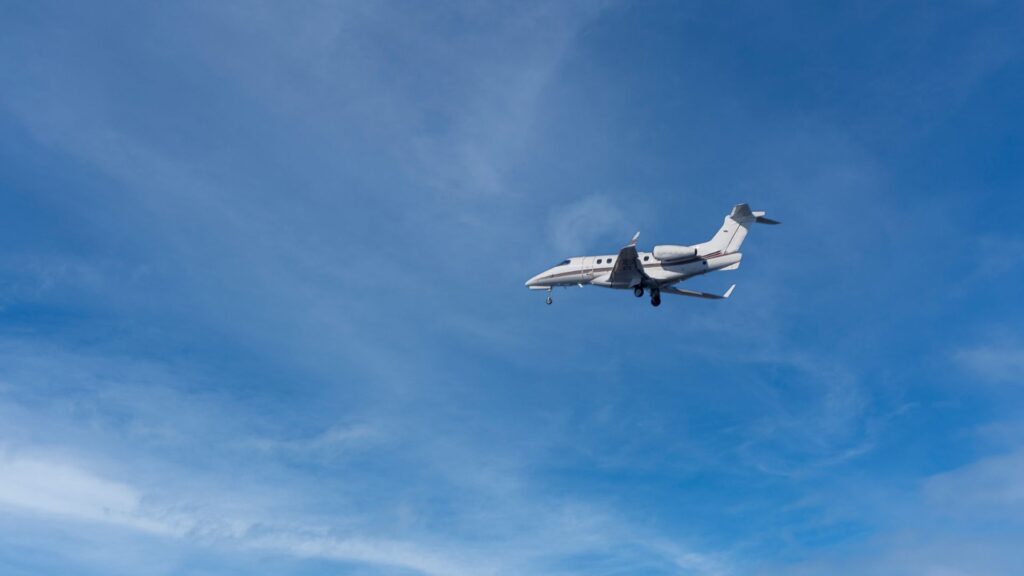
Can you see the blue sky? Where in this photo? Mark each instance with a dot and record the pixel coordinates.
(262, 304)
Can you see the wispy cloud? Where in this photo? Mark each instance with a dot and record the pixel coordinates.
(262, 290)
(47, 486)
(330, 444)
(486, 109)
(50, 487)
(126, 432)
(997, 362)
(30, 483)
(961, 521)
(576, 227)
(988, 489)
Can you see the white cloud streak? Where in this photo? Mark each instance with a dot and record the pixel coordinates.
(117, 468)
(998, 362)
(34, 484)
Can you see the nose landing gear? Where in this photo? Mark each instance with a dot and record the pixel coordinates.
(548, 301)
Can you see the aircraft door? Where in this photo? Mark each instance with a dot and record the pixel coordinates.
(588, 268)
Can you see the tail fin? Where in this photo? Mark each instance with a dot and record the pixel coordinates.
(734, 230)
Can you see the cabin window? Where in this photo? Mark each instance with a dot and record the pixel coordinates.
(646, 258)
(598, 260)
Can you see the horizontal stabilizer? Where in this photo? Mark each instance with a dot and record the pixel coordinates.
(696, 294)
(759, 217)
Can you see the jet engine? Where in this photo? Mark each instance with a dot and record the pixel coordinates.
(673, 252)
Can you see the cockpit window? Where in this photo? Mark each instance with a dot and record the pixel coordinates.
(562, 263)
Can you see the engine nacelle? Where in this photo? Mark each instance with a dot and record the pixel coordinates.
(673, 252)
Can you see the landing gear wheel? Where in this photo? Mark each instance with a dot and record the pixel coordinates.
(548, 301)
(655, 298)
(638, 291)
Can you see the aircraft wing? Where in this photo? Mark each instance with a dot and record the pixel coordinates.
(695, 294)
(627, 269)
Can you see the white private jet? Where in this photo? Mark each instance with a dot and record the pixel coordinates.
(658, 271)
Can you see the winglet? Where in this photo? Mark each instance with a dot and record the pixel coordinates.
(728, 292)
(635, 238)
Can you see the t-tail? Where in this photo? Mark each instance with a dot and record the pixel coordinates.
(734, 231)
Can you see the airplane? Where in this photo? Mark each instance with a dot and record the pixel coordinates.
(660, 270)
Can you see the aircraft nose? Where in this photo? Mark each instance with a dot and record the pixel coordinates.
(535, 281)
